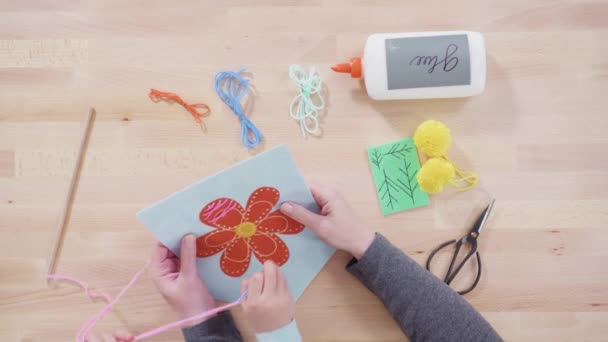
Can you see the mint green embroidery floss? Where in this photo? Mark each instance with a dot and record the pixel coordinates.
(303, 108)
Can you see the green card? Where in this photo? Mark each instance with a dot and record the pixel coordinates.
(394, 168)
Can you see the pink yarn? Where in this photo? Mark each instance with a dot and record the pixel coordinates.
(224, 212)
(201, 315)
(215, 206)
(83, 285)
(86, 328)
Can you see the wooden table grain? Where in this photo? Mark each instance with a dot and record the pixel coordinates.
(536, 136)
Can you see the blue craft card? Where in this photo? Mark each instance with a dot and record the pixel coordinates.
(181, 213)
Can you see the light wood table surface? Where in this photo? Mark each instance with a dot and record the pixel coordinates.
(536, 136)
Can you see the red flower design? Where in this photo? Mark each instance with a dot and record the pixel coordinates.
(239, 232)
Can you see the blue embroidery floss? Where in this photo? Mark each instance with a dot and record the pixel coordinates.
(232, 87)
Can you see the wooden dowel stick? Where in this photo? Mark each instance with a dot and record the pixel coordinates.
(67, 206)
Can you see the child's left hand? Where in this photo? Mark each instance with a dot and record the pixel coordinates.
(178, 280)
(269, 304)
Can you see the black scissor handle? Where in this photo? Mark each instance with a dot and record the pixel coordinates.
(428, 260)
(451, 275)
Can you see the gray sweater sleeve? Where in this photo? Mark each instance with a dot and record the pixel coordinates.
(220, 328)
(425, 308)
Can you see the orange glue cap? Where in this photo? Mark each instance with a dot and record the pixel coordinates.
(353, 68)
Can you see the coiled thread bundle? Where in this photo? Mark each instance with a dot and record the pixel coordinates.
(303, 108)
(232, 87)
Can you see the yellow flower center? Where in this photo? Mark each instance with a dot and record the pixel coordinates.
(245, 229)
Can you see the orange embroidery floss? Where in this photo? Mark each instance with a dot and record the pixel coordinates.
(157, 95)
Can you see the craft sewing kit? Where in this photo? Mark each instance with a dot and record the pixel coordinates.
(235, 215)
(421, 65)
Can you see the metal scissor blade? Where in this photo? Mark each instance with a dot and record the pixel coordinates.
(481, 221)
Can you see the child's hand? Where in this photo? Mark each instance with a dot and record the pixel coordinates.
(338, 225)
(118, 336)
(269, 305)
(178, 280)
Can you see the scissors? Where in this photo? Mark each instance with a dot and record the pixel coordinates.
(470, 238)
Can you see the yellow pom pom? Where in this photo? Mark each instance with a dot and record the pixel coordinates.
(435, 174)
(433, 138)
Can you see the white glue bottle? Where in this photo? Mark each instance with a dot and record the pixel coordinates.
(421, 65)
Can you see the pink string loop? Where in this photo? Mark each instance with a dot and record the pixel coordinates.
(92, 294)
(86, 328)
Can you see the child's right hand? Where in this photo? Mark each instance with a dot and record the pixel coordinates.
(338, 225)
(269, 304)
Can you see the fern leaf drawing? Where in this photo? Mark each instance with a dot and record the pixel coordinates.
(398, 150)
(388, 190)
(410, 185)
(376, 158)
